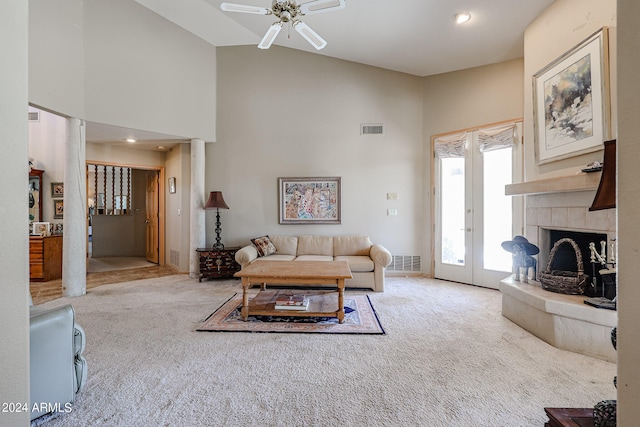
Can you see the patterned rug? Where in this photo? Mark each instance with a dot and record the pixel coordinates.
(359, 318)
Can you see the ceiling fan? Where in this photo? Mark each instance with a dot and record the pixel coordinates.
(288, 12)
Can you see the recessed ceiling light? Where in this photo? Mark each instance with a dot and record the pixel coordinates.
(161, 147)
(462, 17)
(131, 140)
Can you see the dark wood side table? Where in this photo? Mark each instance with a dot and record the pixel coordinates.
(217, 263)
(569, 417)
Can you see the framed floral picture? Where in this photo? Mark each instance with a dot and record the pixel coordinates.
(309, 200)
(57, 189)
(571, 101)
(58, 209)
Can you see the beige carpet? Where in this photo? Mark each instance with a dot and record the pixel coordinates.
(449, 359)
(100, 264)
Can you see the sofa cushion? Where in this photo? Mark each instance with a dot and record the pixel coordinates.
(357, 263)
(285, 245)
(314, 258)
(315, 245)
(263, 246)
(276, 257)
(351, 245)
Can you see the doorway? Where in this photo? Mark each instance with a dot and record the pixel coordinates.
(473, 215)
(124, 210)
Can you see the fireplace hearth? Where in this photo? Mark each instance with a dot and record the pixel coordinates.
(564, 321)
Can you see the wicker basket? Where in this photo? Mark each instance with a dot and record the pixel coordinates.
(560, 281)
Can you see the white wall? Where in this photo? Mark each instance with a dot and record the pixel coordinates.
(56, 56)
(118, 63)
(177, 211)
(287, 113)
(46, 148)
(145, 72)
(124, 156)
(557, 30)
(473, 97)
(628, 202)
(14, 259)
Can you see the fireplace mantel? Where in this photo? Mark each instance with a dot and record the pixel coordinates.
(578, 182)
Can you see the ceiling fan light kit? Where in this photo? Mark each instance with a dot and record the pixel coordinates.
(287, 11)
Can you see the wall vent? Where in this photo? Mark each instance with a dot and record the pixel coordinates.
(174, 257)
(405, 263)
(34, 116)
(371, 129)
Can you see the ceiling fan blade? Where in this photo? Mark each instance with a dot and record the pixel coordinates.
(311, 36)
(319, 6)
(242, 8)
(270, 36)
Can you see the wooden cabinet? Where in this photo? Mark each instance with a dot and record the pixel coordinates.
(45, 258)
(217, 263)
(569, 417)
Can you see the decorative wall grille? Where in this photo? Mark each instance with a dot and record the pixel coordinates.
(109, 189)
(371, 129)
(405, 263)
(174, 257)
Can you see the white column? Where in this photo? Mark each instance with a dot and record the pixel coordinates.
(74, 241)
(197, 229)
(14, 254)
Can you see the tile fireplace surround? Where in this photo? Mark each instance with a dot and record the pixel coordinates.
(563, 321)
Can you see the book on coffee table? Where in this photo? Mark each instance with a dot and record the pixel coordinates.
(292, 302)
(290, 299)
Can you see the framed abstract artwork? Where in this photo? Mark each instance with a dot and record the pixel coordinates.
(309, 200)
(571, 101)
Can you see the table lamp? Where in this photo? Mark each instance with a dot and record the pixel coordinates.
(217, 201)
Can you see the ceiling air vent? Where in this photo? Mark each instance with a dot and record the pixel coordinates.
(34, 116)
(371, 129)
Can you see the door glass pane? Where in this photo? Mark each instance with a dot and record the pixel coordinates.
(452, 214)
(497, 166)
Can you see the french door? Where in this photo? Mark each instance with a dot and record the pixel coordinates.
(473, 216)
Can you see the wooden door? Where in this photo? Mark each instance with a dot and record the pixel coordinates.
(152, 222)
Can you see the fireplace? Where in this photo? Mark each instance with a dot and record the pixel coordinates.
(565, 258)
(555, 210)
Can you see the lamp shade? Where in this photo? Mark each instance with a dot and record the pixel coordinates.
(216, 201)
(606, 195)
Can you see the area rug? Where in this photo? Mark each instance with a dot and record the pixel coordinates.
(359, 318)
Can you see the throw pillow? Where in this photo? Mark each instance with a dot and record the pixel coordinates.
(263, 246)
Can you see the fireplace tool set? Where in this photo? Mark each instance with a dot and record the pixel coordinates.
(607, 272)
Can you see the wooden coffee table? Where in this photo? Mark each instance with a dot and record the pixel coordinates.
(300, 273)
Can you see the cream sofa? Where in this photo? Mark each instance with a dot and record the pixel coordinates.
(367, 261)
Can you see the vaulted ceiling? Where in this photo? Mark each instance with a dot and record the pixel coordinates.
(417, 37)
(411, 36)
